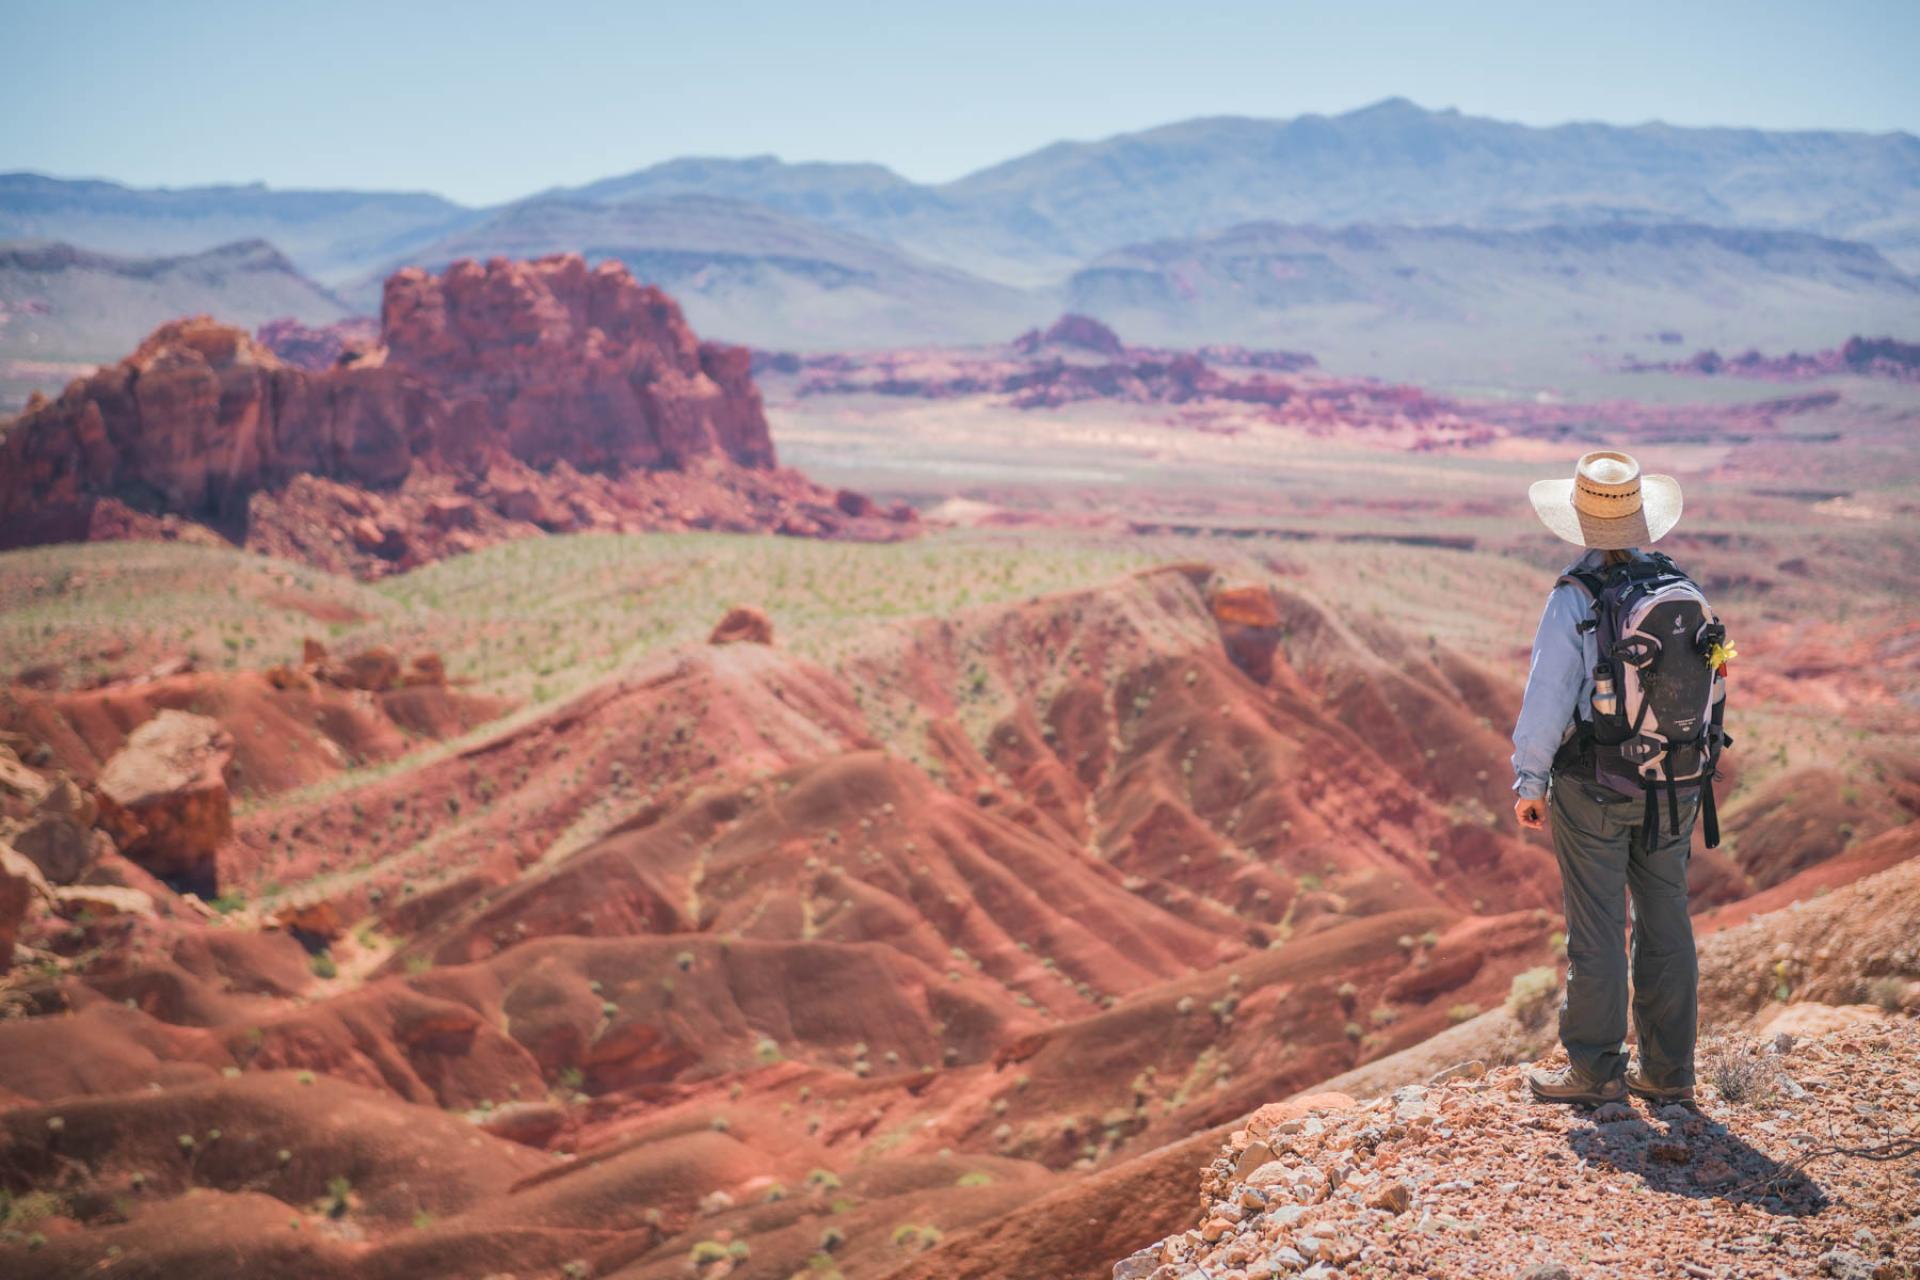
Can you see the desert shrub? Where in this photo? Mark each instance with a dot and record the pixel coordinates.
(910, 1235)
(824, 1180)
(832, 1238)
(706, 1253)
(977, 1178)
(323, 967)
(1888, 993)
(339, 1196)
(1463, 1013)
(1530, 998)
(1741, 1072)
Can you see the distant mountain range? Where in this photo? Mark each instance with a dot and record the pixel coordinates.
(746, 270)
(1223, 228)
(64, 309)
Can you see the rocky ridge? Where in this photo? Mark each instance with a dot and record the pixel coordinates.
(1858, 356)
(1465, 1176)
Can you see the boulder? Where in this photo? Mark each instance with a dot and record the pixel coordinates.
(20, 787)
(58, 833)
(22, 888)
(1249, 623)
(375, 670)
(743, 624)
(101, 901)
(166, 790)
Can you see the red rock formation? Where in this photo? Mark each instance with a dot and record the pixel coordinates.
(343, 342)
(552, 361)
(1083, 332)
(166, 795)
(743, 624)
(1863, 357)
(507, 399)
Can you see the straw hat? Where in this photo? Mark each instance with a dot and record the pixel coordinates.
(1608, 505)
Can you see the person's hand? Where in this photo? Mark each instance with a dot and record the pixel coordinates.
(1530, 812)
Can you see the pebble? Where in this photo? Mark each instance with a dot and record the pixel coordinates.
(1394, 1198)
(1252, 1158)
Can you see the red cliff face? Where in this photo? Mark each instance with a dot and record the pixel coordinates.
(559, 362)
(543, 395)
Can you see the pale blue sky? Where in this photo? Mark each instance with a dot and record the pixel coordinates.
(484, 101)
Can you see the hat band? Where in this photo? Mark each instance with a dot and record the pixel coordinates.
(1598, 502)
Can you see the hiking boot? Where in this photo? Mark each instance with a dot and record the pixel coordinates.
(1641, 1085)
(1572, 1085)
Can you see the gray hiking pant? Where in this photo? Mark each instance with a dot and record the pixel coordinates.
(1603, 859)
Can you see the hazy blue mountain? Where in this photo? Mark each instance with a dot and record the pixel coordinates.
(1035, 218)
(748, 273)
(1419, 301)
(64, 309)
(1397, 163)
(866, 199)
(329, 234)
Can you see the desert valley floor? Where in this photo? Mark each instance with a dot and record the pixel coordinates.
(698, 903)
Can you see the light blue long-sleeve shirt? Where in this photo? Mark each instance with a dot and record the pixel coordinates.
(1559, 681)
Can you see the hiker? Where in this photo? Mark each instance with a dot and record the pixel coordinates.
(1614, 753)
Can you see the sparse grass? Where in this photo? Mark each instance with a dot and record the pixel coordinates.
(1742, 1072)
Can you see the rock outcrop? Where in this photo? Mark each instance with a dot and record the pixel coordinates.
(504, 400)
(743, 624)
(1444, 1179)
(322, 347)
(166, 796)
(1858, 356)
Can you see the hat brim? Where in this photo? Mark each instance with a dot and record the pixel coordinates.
(1659, 512)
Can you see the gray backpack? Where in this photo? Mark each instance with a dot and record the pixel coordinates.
(1659, 703)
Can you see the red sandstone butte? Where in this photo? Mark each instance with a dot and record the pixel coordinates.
(502, 400)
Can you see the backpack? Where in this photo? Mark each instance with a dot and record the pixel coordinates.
(1662, 728)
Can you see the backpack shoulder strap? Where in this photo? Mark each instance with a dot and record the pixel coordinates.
(1592, 584)
(1587, 580)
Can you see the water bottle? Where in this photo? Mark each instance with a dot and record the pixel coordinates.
(1606, 699)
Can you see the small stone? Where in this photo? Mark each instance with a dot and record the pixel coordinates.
(1675, 1114)
(1612, 1113)
(1252, 1200)
(1670, 1152)
(1214, 1228)
(1288, 1259)
(1843, 1264)
(1546, 1271)
(1783, 1044)
(1471, 1069)
(1256, 1154)
(1394, 1198)
(1286, 1215)
(1712, 1171)
(1309, 1246)
(1137, 1266)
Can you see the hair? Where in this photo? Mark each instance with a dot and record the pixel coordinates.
(1618, 556)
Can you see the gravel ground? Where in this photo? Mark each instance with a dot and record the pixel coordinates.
(1469, 1177)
